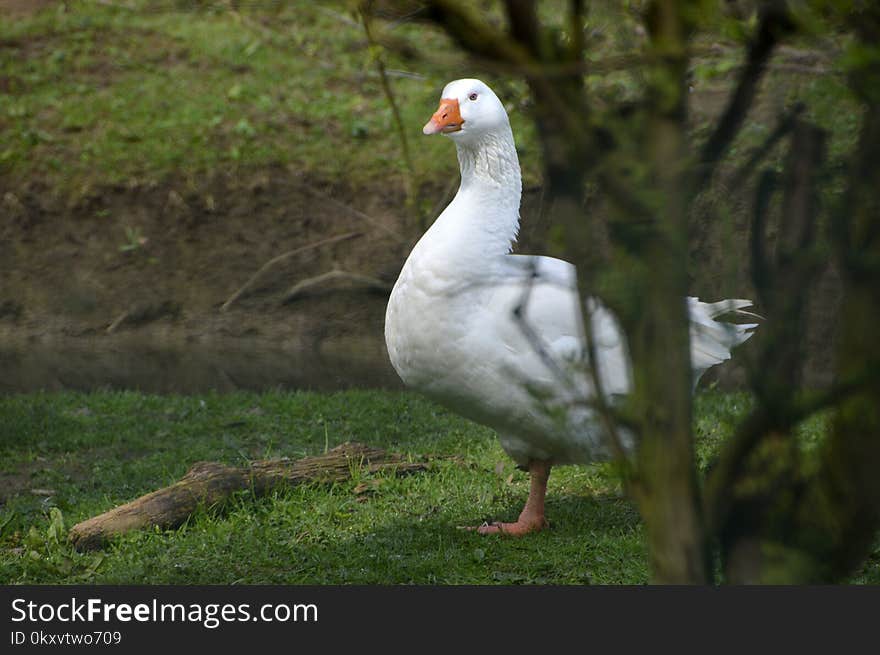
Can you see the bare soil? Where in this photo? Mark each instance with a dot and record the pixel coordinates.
(125, 286)
(129, 269)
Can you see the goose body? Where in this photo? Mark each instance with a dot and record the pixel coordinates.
(499, 338)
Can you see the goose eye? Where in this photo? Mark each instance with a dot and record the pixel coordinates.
(472, 96)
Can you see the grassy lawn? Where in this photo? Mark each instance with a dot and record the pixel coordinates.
(68, 456)
(97, 94)
(94, 94)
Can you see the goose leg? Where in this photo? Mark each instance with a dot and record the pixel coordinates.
(531, 519)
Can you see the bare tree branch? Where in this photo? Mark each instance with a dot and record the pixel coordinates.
(576, 27)
(277, 260)
(607, 415)
(717, 496)
(782, 286)
(775, 22)
(523, 17)
(604, 410)
(357, 213)
(336, 274)
(783, 127)
(409, 178)
(760, 267)
(479, 38)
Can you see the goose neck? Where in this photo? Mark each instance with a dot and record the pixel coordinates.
(491, 164)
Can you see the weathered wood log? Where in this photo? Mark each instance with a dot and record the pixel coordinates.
(207, 484)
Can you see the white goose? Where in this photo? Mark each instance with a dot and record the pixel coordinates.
(454, 333)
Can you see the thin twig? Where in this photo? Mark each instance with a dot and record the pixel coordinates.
(775, 22)
(394, 72)
(751, 430)
(598, 403)
(356, 212)
(804, 70)
(781, 284)
(335, 274)
(606, 414)
(409, 178)
(532, 336)
(481, 39)
(760, 267)
(118, 321)
(717, 498)
(116, 5)
(338, 15)
(838, 392)
(576, 27)
(783, 127)
(275, 260)
(522, 16)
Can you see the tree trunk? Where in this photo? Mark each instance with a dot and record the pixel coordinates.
(207, 484)
(655, 315)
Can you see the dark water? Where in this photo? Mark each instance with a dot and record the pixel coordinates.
(189, 368)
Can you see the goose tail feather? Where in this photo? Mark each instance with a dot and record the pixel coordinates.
(711, 339)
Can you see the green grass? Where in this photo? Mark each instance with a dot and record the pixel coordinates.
(94, 451)
(97, 94)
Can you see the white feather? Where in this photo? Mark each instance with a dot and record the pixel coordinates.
(499, 338)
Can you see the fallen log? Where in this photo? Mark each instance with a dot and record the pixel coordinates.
(207, 484)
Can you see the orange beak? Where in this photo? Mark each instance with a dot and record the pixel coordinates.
(446, 119)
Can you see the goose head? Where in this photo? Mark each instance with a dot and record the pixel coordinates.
(468, 110)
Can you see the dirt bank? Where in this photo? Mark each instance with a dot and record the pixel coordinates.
(131, 286)
(115, 267)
